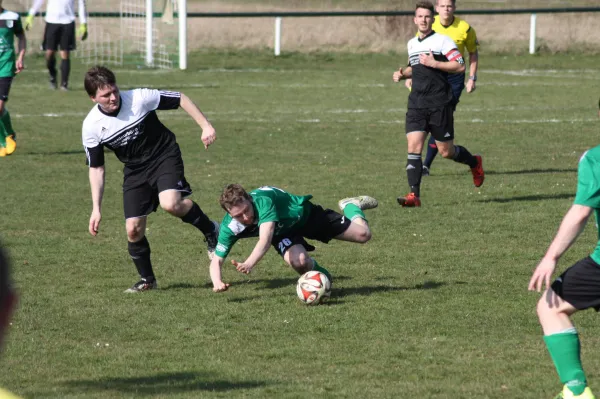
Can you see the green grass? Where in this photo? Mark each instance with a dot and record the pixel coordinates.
(435, 306)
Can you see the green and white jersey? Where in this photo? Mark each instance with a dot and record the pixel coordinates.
(271, 204)
(588, 188)
(10, 25)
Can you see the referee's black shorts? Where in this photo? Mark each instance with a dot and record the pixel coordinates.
(62, 35)
(142, 186)
(438, 121)
(579, 285)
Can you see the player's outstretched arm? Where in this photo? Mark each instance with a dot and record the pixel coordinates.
(97, 185)
(208, 131)
(265, 236)
(571, 226)
(215, 274)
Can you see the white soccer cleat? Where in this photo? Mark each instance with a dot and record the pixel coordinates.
(362, 201)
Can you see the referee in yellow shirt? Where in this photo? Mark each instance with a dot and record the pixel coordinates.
(465, 38)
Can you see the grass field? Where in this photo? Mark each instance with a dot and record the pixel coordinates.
(435, 306)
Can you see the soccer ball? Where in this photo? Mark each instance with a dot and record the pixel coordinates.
(313, 288)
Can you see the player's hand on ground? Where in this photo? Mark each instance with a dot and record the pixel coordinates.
(221, 287)
(242, 267)
(28, 22)
(471, 86)
(542, 275)
(95, 223)
(408, 84)
(208, 136)
(397, 75)
(427, 59)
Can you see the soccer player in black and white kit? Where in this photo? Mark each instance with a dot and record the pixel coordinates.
(430, 109)
(126, 123)
(59, 32)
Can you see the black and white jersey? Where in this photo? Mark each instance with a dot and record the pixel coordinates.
(133, 132)
(430, 87)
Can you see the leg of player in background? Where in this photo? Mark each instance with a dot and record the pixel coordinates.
(65, 70)
(563, 343)
(414, 166)
(139, 250)
(51, 65)
(3, 134)
(432, 151)
(461, 155)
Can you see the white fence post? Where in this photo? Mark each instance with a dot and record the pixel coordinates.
(532, 34)
(277, 36)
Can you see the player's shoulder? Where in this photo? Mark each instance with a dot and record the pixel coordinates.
(9, 15)
(93, 117)
(591, 156)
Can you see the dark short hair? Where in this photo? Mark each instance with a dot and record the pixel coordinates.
(98, 77)
(232, 195)
(426, 5)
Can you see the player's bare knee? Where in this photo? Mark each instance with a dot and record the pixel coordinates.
(173, 207)
(135, 232)
(301, 262)
(446, 152)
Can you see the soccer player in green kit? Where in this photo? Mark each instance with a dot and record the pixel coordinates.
(10, 64)
(577, 288)
(284, 220)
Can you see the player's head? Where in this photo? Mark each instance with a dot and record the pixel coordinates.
(101, 85)
(238, 204)
(424, 16)
(7, 295)
(445, 8)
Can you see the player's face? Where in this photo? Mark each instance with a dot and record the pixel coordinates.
(243, 212)
(423, 19)
(108, 98)
(445, 8)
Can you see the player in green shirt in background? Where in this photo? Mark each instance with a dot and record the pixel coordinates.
(578, 288)
(10, 64)
(284, 220)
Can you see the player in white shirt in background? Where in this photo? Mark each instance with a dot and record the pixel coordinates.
(59, 32)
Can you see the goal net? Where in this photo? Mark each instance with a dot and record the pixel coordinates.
(129, 33)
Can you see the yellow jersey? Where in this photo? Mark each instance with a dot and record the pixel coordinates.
(7, 395)
(460, 32)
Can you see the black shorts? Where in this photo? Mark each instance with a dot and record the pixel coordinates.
(438, 121)
(579, 285)
(5, 84)
(141, 187)
(322, 225)
(59, 34)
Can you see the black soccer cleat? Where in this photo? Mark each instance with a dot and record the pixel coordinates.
(211, 240)
(144, 284)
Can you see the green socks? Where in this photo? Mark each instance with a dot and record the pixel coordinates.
(318, 268)
(352, 212)
(5, 118)
(565, 350)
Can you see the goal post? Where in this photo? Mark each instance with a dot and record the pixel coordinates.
(129, 33)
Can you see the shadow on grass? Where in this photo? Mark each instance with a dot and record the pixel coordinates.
(163, 383)
(540, 197)
(72, 152)
(531, 171)
(181, 286)
(369, 290)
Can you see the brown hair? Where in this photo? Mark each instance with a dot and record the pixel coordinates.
(426, 5)
(98, 77)
(233, 194)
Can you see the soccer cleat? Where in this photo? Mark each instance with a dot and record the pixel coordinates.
(211, 240)
(477, 171)
(11, 145)
(64, 87)
(2, 151)
(425, 171)
(142, 285)
(53, 84)
(410, 200)
(362, 201)
(567, 394)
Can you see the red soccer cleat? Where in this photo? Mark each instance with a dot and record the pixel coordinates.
(477, 171)
(409, 201)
